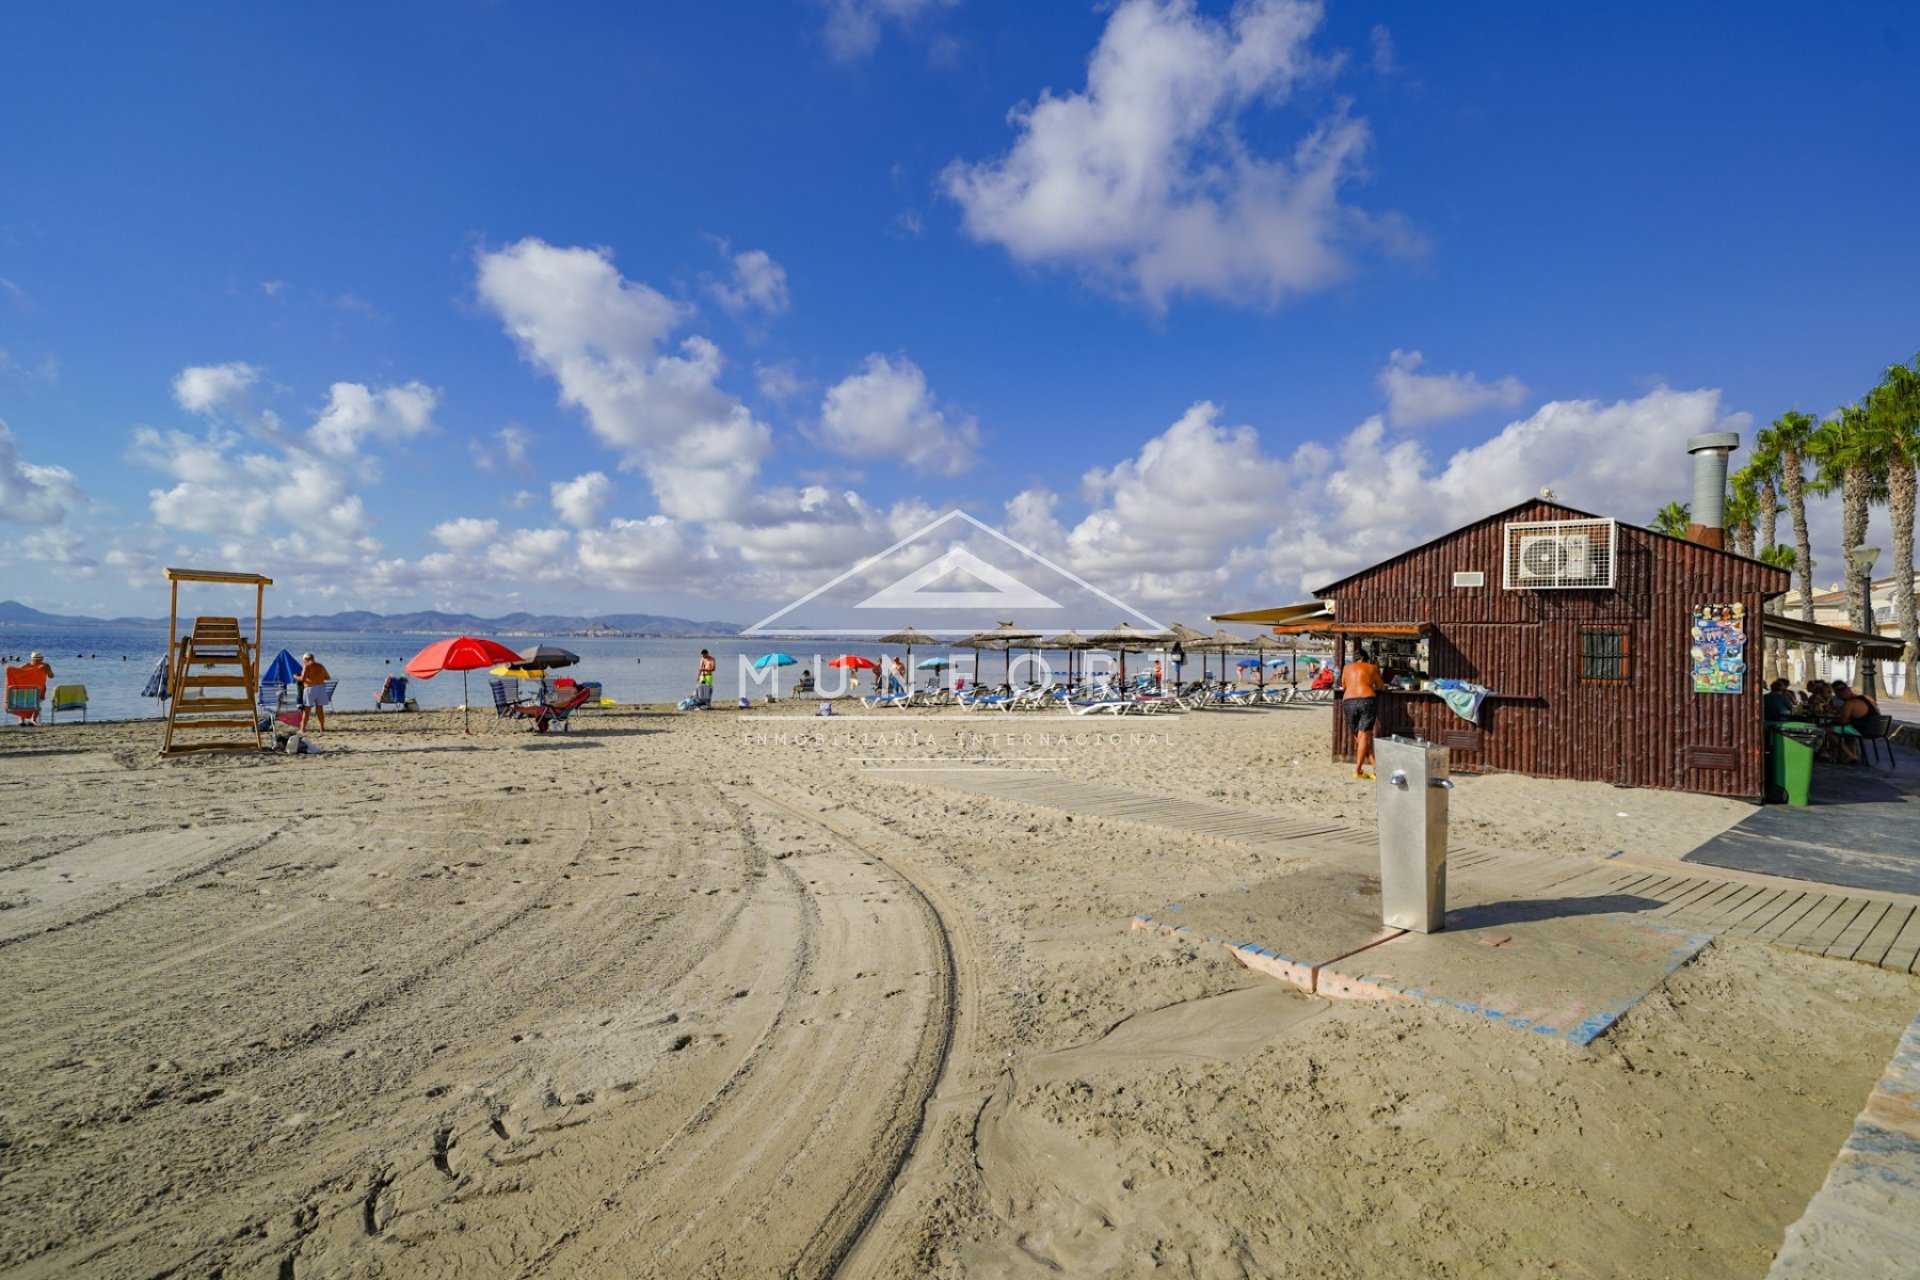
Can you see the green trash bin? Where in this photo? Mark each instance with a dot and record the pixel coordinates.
(1790, 759)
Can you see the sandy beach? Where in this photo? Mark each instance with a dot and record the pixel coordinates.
(678, 995)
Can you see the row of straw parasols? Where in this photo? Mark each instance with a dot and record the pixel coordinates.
(1123, 638)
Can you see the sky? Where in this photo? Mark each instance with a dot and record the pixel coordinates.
(687, 309)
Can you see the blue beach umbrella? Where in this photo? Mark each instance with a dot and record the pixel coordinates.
(933, 664)
(284, 669)
(766, 660)
(1247, 663)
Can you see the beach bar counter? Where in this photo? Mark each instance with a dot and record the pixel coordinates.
(1608, 652)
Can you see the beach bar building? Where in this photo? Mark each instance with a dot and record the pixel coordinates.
(1611, 653)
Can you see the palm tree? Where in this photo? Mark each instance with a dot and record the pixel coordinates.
(1786, 443)
(1763, 471)
(1847, 453)
(1743, 508)
(1896, 403)
(1780, 558)
(1672, 520)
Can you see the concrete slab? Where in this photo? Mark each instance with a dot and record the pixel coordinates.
(1564, 967)
(1864, 1223)
(1287, 927)
(1567, 976)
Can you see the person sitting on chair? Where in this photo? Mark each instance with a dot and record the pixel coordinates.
(1854, 707)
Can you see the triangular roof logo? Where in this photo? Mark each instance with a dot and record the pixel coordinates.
(921, 588)
(953, 577)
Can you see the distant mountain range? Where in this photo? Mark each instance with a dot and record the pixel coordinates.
(13, 613)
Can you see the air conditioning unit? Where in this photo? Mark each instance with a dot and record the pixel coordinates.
(1542, 557)
(1564, 554)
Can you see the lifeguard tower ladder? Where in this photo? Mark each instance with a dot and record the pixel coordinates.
(213, 672)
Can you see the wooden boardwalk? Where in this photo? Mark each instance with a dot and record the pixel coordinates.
(1824, 920)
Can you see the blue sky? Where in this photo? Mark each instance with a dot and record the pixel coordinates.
(686, 309)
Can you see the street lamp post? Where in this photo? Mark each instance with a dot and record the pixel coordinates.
(1862, 558)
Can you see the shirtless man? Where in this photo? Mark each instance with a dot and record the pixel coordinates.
(312, 676)
(1360, 686)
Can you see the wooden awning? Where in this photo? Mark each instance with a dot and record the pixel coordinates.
(217, 575)
(1779, 627)
(1393, 630)
(1279, 614)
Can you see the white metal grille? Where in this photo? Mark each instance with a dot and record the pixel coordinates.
(1546, 555)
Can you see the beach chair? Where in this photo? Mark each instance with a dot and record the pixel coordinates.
(68, 697)
(26, 690)
(505, 708)
(393, 693)
(561, 711)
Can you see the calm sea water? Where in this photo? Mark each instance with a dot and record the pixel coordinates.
(114, 663)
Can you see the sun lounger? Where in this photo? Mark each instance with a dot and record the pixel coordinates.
(505, 708)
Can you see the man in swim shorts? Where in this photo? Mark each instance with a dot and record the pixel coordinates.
(1360, 685)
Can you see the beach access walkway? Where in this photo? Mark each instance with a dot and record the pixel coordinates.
(1863, 1221)
(1880, 929)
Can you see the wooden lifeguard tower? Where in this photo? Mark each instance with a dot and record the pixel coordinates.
(213, 672)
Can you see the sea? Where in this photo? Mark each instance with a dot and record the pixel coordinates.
(114, 662)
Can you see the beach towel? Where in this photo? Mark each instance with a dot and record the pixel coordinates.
(1463, 696)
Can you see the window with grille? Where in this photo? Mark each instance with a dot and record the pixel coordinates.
(1603, 654)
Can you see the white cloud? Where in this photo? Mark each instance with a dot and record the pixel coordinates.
(634, 553)
(578, 501)
(778, 382)
(507, 452)
(887, 411)
(597, 335)
(32, 493)
(1370, 499)
(214, 388)
(1415, 398)
(758, 284)
(1143, 180)
(853, 26)
(355, 413)
(466, 533)
(1384, 60)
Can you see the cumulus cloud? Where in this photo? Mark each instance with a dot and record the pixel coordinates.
(887, 411)
(758, 284)
(220, 490)
(598, 336)
(214, 388)
(32, 493)
(356, 413)
(1142, 178)
(466, 533)
(780, 381)
(1415, 398)
(1371, 497)
(578, 501)
(853, 26)
(640, 553)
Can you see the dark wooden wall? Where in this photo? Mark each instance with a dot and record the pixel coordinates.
(1651, 731)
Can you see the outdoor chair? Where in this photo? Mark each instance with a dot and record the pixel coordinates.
(393, 693)
(68, 697)
(561, 712)
(505, 708)
(1872, 729)
(321, 695)
(25, 692)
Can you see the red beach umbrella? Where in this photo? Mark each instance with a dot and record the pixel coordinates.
(462, 654)
(854, 661)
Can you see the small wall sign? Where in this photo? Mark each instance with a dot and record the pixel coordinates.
(1718, 648)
